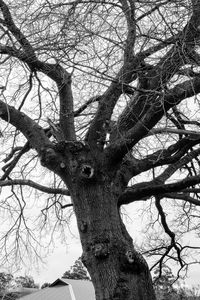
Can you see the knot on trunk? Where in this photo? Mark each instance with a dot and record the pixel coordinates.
(47, 156)
(130, 256)
(133, 262)
(101, 250)
(51, 159)
(83, 226)
(87, 171)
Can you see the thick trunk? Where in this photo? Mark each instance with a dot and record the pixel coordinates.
(117, 270)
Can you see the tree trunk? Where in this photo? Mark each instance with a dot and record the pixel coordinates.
(117, 270)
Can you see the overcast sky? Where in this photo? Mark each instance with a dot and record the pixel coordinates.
(62, 259)
(64, 255)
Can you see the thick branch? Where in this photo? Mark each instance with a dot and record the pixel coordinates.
(9, 23)
(163, 218)
(117, 150)
(128, 8)
(132, 167)
(96, 134)
(169, 171)
(166, 130)
(10, 166)
(34, 185)
(161, 45)
(182, 196)
(30, 129)
(53, 71)
(132, 194)
(63, 81)
(66, 105)
(155, 80)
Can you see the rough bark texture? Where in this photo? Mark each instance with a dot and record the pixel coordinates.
(117, 270)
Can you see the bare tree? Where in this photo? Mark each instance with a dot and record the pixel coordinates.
(105, 95)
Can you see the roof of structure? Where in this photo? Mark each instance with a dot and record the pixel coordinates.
(64, 289)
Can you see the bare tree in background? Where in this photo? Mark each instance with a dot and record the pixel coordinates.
(101, 92)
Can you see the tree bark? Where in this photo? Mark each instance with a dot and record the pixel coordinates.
(117, 270)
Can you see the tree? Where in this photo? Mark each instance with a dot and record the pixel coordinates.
(105, 94)
(26, 281)
(9, 285)
(44, 285)
(164, 284)
(77, 271)
(6, 283)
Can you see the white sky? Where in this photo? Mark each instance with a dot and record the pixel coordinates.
(64, 256)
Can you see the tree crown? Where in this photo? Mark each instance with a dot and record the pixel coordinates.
(108, 91)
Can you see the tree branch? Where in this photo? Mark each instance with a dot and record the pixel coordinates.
(131, 167)
(143, 106)
(128, 8)
(167, 173)
(171, 169)
(145, 190)
(66, 104)
(53, 71)
(16, 31)
(10, 166)
(167, 229)
(96, 134)
(63, 81)
(30, 129)
(117, 150)
(183, 196)
(165, 130)
(151, 10)
(85, 105)
(34, 185)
